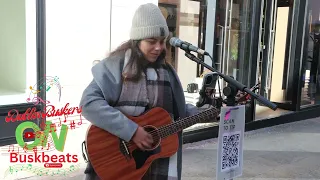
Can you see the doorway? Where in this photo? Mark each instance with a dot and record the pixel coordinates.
(275, 70)
(234, 36)
(310, 86)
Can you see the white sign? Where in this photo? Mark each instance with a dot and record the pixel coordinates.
(230, 151)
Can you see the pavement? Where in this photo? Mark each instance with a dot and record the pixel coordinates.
(283, 152)
(288, 151)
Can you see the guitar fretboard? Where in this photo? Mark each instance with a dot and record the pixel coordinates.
(207, 115)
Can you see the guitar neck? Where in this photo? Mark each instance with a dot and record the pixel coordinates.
(204, 116)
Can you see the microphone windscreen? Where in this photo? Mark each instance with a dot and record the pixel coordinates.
(175, 42)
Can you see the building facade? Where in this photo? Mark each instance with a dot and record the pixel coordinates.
(274, 44)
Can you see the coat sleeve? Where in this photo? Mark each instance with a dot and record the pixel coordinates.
(97, 110)
(191, 110)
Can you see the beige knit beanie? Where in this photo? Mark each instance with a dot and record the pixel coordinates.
(148, 22)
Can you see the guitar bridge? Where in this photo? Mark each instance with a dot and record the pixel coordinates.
(124, 149)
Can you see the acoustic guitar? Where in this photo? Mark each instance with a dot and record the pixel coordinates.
(115, 159)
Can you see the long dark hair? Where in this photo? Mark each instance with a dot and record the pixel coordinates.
(137, 61)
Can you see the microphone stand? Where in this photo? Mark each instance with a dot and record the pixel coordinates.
(233, 86)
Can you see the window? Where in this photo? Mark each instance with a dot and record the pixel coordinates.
(17, 50)
(225, 35)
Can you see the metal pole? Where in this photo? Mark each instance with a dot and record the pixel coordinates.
(41, 48)
(210, 29)
(110, 34)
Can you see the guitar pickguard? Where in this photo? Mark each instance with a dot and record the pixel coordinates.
(140, 156)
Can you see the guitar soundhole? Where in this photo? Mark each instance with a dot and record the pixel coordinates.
(155, 135)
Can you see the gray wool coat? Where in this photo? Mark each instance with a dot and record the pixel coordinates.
(102, 93)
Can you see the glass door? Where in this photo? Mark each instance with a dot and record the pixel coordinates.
(276, 70)
(232, 39)
(233, 46)
(310, 82)
(268, 30)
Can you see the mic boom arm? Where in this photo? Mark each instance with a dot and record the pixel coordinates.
(233, 82)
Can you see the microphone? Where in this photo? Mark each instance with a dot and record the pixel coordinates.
(176, 42)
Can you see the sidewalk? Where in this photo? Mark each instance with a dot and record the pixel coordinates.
(289, 151)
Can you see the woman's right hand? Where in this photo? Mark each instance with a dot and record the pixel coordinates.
(142, 139)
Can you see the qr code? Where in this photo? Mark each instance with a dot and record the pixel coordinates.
(230, 151)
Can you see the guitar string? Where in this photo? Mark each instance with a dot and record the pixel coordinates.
(201, 115)
(182, 122)
(164, 132)
(207, 113)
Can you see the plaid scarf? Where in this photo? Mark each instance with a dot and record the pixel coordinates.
(153, 90)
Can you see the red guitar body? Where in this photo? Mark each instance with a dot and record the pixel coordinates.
(105, 150)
